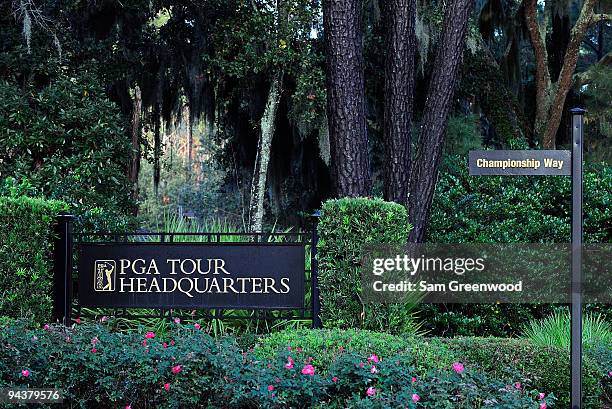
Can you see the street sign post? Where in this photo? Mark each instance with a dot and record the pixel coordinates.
(552, 163)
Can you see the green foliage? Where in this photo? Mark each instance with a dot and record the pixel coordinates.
(67, 139)
(189, 369)
(496, 320)
(26, 244)
(346, 225)
(325, 345)
(555, 331)
(496, 209)
(597, 94)
(546, 368)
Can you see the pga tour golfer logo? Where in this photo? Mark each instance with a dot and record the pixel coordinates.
(104, 275)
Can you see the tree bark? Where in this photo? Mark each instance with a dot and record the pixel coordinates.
(350, 164)
(262, 159)
(399, 96)
(550, 98)
(585, 20)
(135, 129)
(542, 74)
(438, 104)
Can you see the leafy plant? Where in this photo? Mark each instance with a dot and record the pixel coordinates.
(26, 245)
(555, 330)
(346, 225)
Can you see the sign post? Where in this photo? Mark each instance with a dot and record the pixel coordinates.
(552, 163)
(576, 312)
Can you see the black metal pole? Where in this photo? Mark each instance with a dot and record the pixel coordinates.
(62, 269)
(576, 297)
(314, 274)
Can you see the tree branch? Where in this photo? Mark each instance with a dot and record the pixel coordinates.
(598, 18)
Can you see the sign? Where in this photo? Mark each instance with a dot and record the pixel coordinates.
(515, 163)
(191, 275)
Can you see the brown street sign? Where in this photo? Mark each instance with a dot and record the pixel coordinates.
(520, 163)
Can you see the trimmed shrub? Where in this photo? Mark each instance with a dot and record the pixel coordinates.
(541, 368)
(26, 243)
(188, 369)
(324, 346)
(346, 225)
(547, 368)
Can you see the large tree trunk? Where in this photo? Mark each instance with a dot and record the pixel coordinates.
(350, 164)
(438, 104)
(262, 159)
(399, 95)
(135, 129)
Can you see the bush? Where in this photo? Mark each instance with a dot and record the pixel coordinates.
(67, 139)
(324, 346)
(346, 225)
(547, 368)
(26, 243)
(542, 368)
(188, 369)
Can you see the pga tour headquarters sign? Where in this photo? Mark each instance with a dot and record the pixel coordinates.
(155, 275)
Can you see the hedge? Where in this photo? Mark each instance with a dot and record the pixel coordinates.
(345, 226)
(541, 368)
(96, 368)
(26, 241)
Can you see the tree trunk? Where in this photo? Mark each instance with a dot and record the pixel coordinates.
(585, 20)
(262, 159)
(438, 104)
(350, 164)
(399, 95)
(542, 74)
(157, 148)
(550, 99)
(135, 129)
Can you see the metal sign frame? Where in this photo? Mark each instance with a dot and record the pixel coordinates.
(65, 294)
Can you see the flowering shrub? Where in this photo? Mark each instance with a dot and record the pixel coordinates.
(189, 369)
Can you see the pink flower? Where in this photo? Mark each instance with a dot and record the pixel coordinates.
(335, 379)
(46, 327)
(361, 365)
(543, 405)
(289, 364)
(144, 342)
(176, 369)
(128, 407)
(270, 388)
(610, 373)
(541, 395)
(67, 339)
(289, 348)
(177, 320)
(371, 391)
(94, 350)
(78, 320)
(104, 318)
(415, 398)
(94, 340)
(150, 335)
(308, 370)
(165, 345)
(299, 349)
(34, 338)
(167, 386)
(197, 326)
(458, 367)
(25, 372)
(373, 358)
(172, 342)
(413, 379)
(518, 385)
(373, 369)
